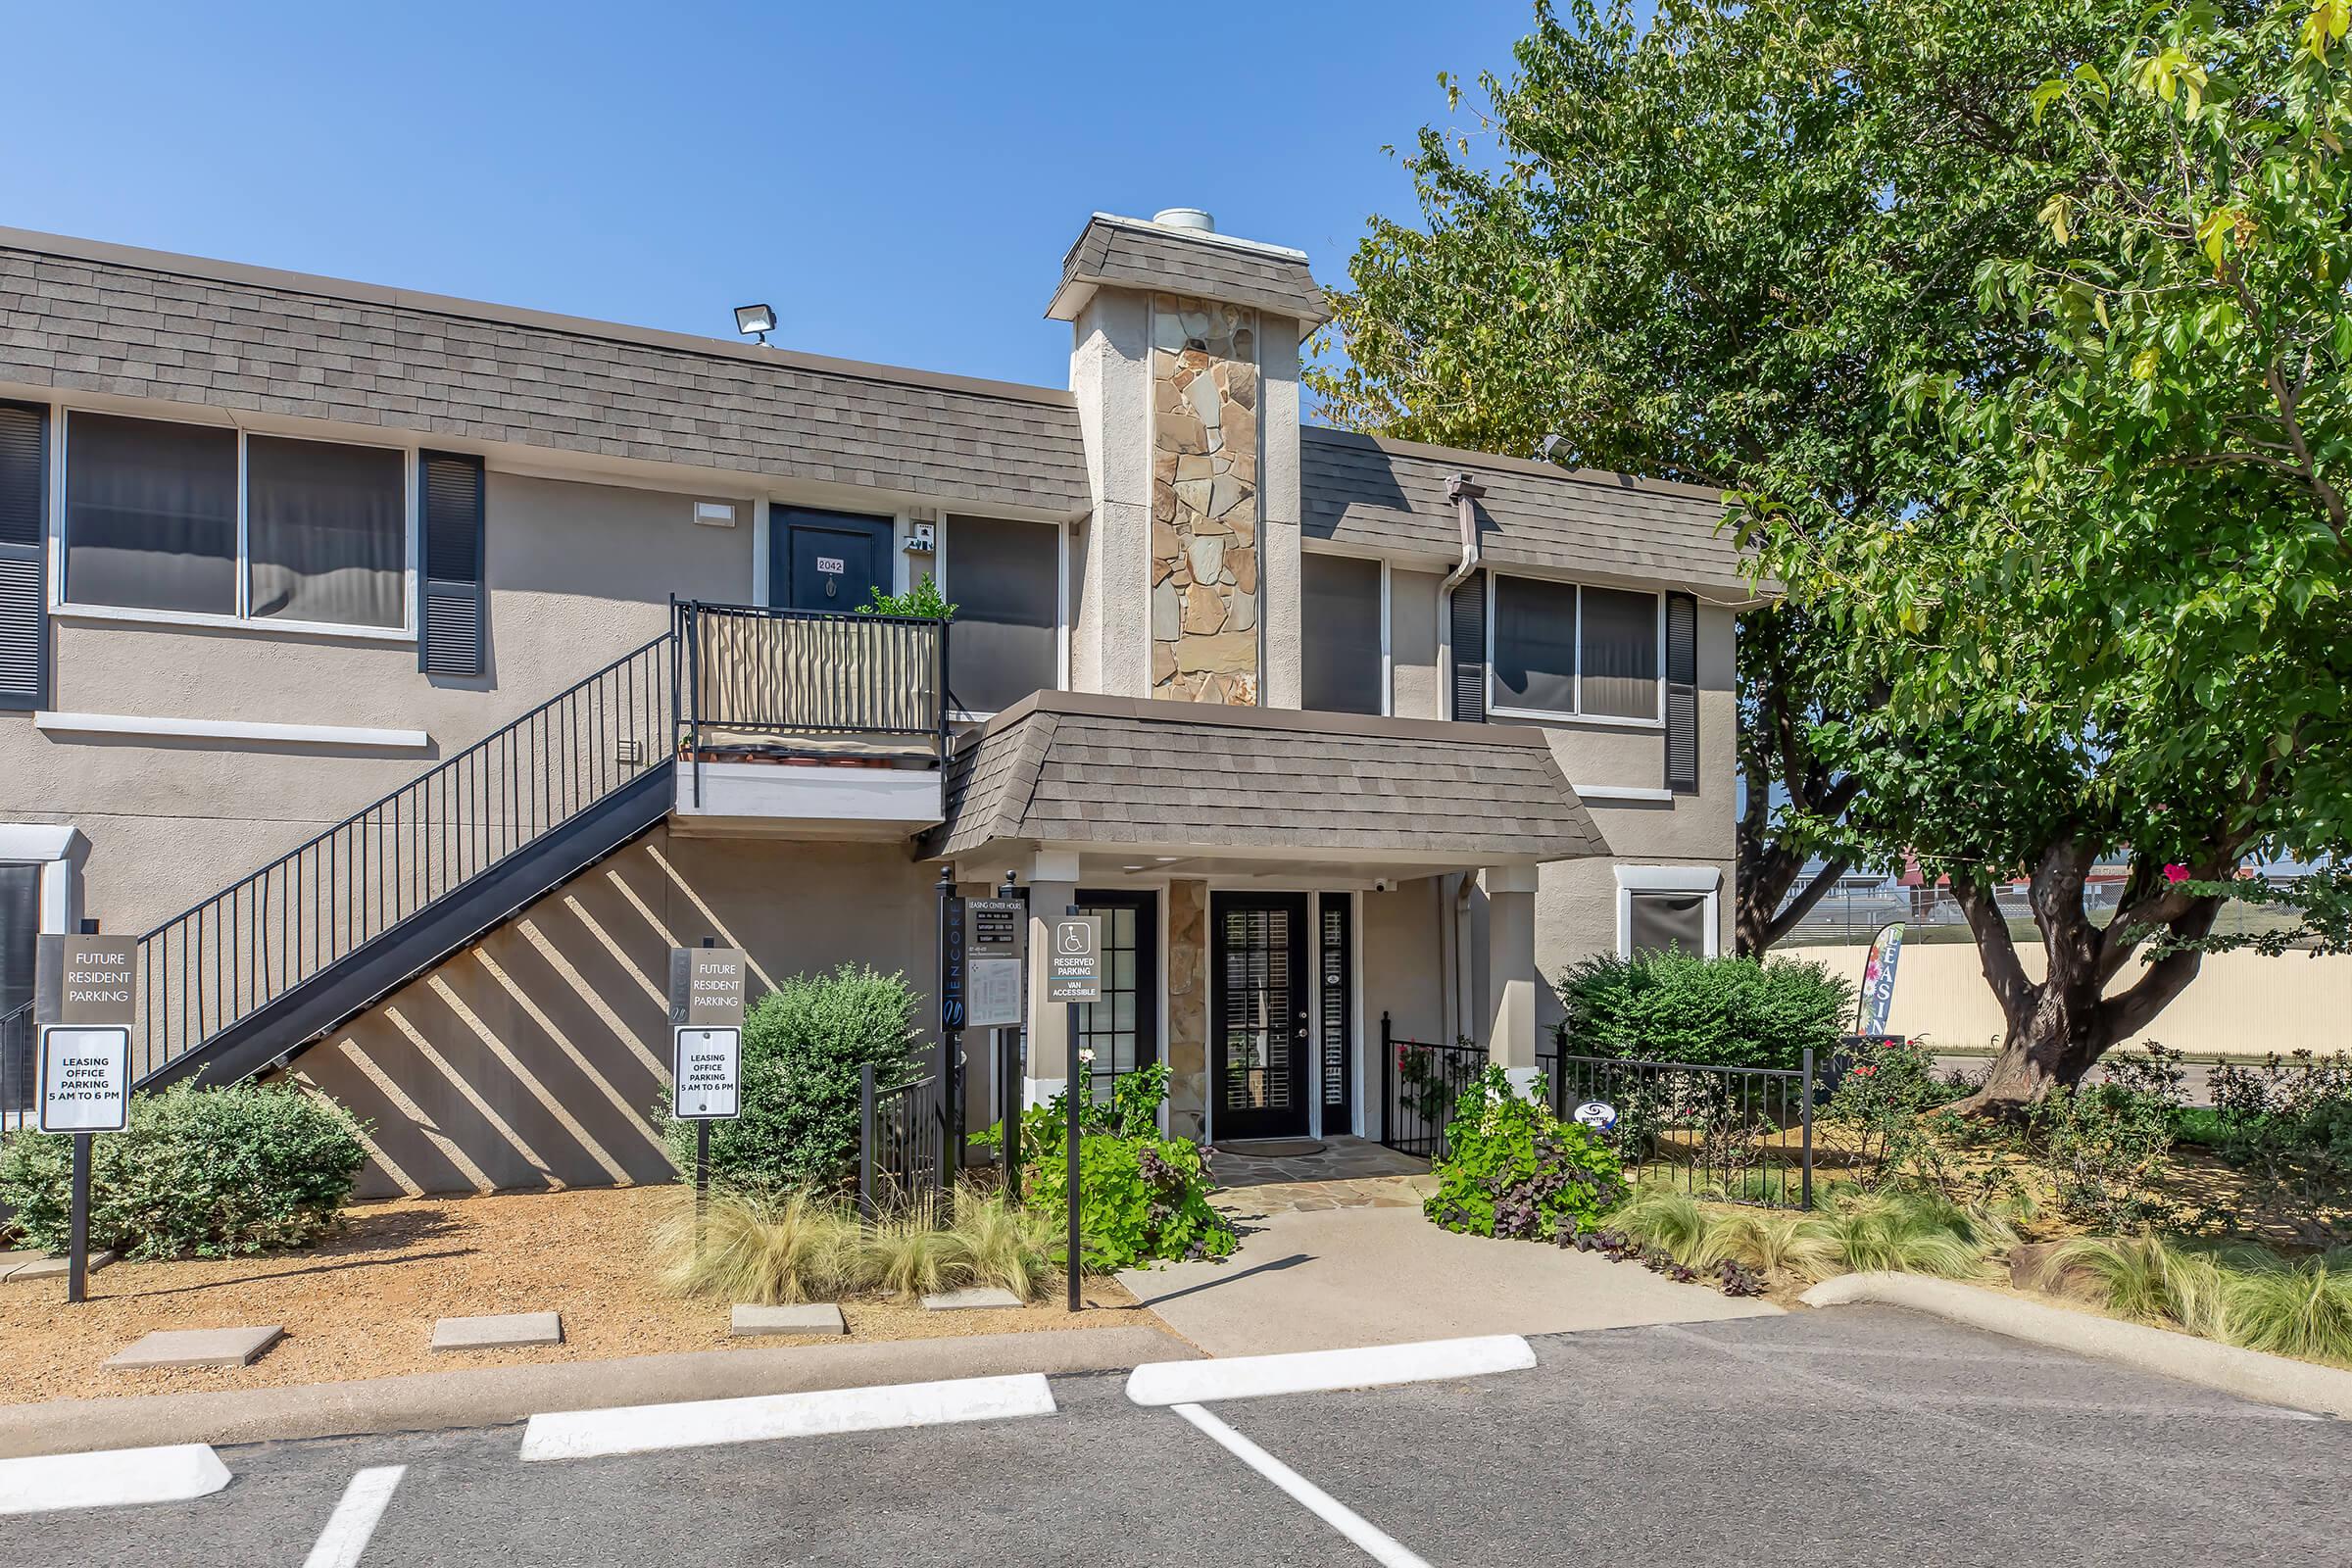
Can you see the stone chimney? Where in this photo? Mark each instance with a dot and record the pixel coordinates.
(1185, 364)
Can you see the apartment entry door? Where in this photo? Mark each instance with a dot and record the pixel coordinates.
(825, 560)
(1258, 1014)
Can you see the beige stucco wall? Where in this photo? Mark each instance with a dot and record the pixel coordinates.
(1402, 965)
(578, 574)
(535, 1059)
(2238, 1003)
(1416, 682)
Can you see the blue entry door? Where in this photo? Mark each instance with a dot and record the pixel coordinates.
(825, 560)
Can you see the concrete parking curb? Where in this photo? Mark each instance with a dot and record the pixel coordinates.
(491, 1395)
(2247, 1374)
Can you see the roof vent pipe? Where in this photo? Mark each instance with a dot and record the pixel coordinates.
(1192, 218)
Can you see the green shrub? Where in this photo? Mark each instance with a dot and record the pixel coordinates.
(1142, 1198)
(803, 1046)
(2285, 1123)
(2103, 1147)
(1515, 1169)
(212, 1172)
(1733, 1013)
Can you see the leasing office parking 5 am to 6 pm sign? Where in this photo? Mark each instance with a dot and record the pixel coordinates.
(706, 995)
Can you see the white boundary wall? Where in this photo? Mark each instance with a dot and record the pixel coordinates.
(2240, 1003)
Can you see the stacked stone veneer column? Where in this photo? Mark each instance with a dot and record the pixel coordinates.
(1187, 1008)
(1204, 501)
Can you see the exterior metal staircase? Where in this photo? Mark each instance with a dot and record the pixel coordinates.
(270, 963)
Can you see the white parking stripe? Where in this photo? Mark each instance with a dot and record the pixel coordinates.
(1382, 1548)
(1251, 1376)
(641, 1429)
(56, 1482)
(355, 1518)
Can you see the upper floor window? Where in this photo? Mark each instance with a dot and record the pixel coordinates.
(1340, 641)
(201, 520)
(1562, 649)
(1005, 579)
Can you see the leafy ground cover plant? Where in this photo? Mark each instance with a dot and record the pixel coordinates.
(803, 1045)
(210, 1173)
(2102, 1148)
(1141, 1198)
(1516, 1170)
(1725, 1011)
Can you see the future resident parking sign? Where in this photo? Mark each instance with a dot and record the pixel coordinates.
(707, 1005)
(86, 1004)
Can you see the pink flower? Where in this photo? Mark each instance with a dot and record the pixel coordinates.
(1864, 1072)
(2175, 873)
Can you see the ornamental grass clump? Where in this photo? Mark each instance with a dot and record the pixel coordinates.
(770, 1248)
(2245, 1295)
(1899, 1231)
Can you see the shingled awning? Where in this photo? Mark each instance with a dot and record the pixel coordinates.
(1076, 770)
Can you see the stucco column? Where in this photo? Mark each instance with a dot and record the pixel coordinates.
(1053, 889)
(1511, 975)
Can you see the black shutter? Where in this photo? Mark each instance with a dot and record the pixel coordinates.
(451, 640)
(23, 555)
(1682, 693)
(1469, 616)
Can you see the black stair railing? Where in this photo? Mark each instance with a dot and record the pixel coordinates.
(212, 965)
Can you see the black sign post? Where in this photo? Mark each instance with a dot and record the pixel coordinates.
(951, 1026)
(707, 992)
(85, 1005)
(1074, 975)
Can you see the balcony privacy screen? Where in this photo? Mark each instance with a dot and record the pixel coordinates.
(826, 684)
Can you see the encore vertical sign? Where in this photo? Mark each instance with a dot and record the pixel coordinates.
(707, 994)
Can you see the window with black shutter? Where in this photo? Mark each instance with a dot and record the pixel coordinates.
(1682, 693)
(453, 632)
(23, 552)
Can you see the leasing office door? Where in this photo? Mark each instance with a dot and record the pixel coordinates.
(825, 560)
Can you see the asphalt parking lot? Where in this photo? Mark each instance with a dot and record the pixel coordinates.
(1850, 1436)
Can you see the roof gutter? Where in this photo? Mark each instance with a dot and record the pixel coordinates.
(1464, 492)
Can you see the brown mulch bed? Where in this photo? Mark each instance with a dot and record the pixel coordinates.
(362, 1304)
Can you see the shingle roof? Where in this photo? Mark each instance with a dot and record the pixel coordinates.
(1064, 768)
(1129, 253)
(80, 315)
(1390, 497)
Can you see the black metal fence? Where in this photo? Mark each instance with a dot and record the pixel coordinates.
(18, 1067)
(904, 1156)
(1741, 1134)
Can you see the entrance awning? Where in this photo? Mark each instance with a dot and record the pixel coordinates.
(1215, 786)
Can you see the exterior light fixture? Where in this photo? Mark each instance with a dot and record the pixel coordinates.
(754, 321)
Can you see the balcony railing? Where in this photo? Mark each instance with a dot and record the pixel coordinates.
(795, 685)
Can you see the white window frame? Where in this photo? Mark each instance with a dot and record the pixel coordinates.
(940, 546)
(1684, 879)
(66, 608)
(1579, 716)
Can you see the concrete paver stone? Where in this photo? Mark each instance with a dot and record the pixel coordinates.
(498, 1332)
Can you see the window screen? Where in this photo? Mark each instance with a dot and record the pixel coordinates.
(327, 529)
(1340, 634)
(1619, 643)
(1535, 645)
(1663, 921)
(151, 514)
(1004, 581)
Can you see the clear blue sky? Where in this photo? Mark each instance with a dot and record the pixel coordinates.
(898, 180)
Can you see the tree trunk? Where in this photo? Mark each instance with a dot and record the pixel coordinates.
(2057, 1029)
(1766, 874)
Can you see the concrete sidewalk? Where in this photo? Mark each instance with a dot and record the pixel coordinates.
(1324, 1279)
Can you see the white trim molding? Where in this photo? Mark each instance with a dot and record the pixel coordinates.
(350, 737)
(1633, 879)
(59, 850)
(1622, 792)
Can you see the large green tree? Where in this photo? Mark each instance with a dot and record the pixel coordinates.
(2125, 600)
(1711, 250)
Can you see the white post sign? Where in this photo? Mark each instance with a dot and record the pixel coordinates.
(710, 1073)
(995, 947)
(85, 1078)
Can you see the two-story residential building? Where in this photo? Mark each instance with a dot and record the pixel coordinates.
(412, 673)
